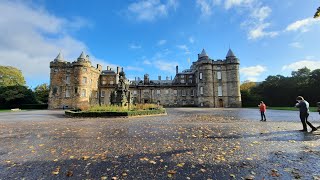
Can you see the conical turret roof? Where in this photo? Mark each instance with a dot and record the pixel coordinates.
(82, 55)
(203, 54)
(230, 53)
(59, 57)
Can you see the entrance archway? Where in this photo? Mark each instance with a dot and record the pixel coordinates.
(220, 102)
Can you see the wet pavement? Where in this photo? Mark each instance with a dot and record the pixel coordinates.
(188, 143)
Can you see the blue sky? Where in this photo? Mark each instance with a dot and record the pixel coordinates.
(153, 36)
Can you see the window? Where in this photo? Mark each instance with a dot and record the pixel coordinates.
(183, 93)
(183, 102)
(83, 93)
(190, 76)
(182, 81)
(68, 70)
(190, 80)
(111, 82)
(192, 92)
(201, 90)
(135, 92)
(84, 69)
(76, 90)
(103, 93)
(182, 76)
(97, 94)
(219, 75)
(175, 102)
(192, 102)
(104, 82)
(175, 92)
(200, 76)
(146, 91)
(67, 92)
(84, 80)
(158, 91)
(54, 90)
(219, 90)
(55, 70)
(67, 79)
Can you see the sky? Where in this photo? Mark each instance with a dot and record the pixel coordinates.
(269, 37)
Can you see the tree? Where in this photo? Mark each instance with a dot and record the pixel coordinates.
(317, 14)
(247, 85)
(42, 93)
(11, 76)
(14, 96)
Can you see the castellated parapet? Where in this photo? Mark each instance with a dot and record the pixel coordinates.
(208, 83)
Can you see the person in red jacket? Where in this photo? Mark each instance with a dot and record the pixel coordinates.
(263, 108)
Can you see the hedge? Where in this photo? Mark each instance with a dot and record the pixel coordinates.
(72, 113)
(25, 106)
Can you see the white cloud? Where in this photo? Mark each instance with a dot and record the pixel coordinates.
(253, 72)
(32, 37)
(303, 25)
(191, 40)
(296, 45)
(132, 68)
(184, 48)
(206, 6)
(311, 64)
(261, 13)
(149, 10)
(161, 42)
(134, 46)
(147, 62)
(164, 65)
(232, 3)
(259, 32)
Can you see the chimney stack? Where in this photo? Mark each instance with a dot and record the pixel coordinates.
(118, 69)
(107, 68)
(159, 78)
(177, 69)
(122, 69)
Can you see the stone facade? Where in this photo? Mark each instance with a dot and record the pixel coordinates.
(208, 83)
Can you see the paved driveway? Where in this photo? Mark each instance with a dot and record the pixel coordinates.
(188, 143)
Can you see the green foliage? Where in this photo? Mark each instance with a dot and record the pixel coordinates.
(113, 114)
(11, 76)
(247, 85)
(42, 93)
(282, 91)
(14, 96)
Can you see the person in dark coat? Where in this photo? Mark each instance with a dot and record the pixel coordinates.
(303, 106)
(263, 109)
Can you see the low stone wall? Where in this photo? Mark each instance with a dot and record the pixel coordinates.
(71, 113)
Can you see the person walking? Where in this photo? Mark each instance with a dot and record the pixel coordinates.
(303, 106)
(263, 108)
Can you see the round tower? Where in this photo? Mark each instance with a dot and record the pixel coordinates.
(82, 82)
(57, 72)
(232, 68)
(204, 75)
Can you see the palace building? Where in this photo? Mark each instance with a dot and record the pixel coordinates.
(208, 83)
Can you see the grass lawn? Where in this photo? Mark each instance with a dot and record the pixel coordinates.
(312, 109)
